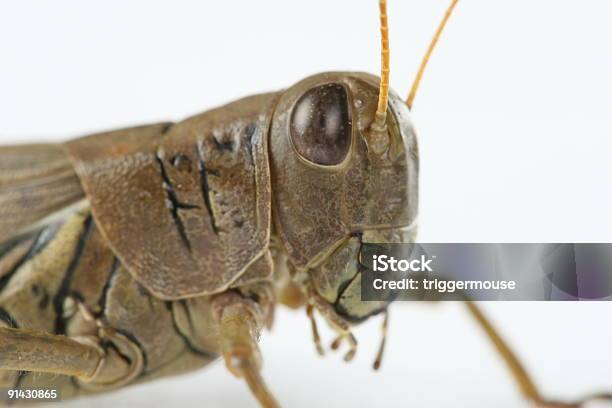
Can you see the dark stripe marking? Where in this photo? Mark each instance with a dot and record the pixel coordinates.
(4, 280)
(43, 237)
(109, 281)
(182, 335)
(174, 204)
(7, 318)
(134, 339)
(60, 296)
(10, 245)
(204, 187)
(42, 293)
(249, 132)
(20, 377)
(227, 145)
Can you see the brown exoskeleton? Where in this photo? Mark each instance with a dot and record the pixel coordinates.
(146, 252)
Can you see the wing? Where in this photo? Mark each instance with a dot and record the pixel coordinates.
(36, 182)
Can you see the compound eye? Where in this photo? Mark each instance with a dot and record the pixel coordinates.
(321, 125)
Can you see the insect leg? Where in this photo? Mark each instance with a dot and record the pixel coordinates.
(526, 384)
(108, 360)
(240, 320)
(27, 350)
(383, 342)
(315, 331)
(337, 322)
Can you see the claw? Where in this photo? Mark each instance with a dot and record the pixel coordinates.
(352, 347)
(352, 341)
(336, 343)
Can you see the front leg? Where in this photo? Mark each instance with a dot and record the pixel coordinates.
(240, 316)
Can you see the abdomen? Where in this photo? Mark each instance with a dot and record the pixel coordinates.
(58, 275)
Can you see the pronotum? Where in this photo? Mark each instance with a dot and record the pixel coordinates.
(145, 252)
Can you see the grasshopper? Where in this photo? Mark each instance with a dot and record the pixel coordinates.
(146, 252)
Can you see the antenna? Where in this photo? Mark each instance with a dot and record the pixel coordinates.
(383, 94)
(434, 41)
(378, 136)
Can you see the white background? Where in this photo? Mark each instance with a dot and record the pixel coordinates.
(515, 125)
